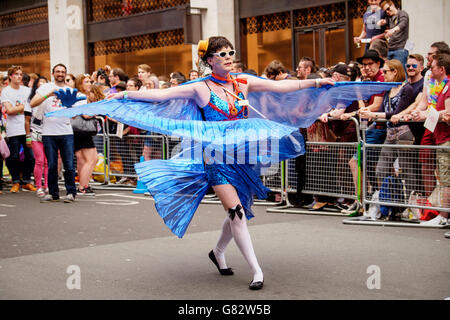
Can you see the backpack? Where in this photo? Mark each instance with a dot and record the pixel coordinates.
(391, 191)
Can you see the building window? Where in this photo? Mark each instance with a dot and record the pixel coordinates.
(165, 52)
(100, 10)
(24, 17)
(265, 38)
(34, 57)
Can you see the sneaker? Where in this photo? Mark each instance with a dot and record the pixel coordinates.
(40, 192)
(86, 191)
(48, 198)
(122, 180)
(46, 190)
(352, 209)
(15, 188)
(437, 221)
(29, 187)
(69, 198)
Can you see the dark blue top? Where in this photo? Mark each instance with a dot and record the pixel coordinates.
(370, 21)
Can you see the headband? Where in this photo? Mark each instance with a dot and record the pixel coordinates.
(202, 48)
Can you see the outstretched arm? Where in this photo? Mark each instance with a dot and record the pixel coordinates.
(188, 91)
(283, 86)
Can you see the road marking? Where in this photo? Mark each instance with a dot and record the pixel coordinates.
(3, 215)
(125, 196)
(7, 205)
(119, 202)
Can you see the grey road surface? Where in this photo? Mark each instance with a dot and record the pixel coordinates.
(115, 246)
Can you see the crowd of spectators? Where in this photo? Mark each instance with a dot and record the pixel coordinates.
(39, 145)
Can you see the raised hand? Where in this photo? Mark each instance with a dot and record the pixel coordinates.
(68, 97)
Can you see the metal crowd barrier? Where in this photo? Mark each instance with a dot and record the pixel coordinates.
(120, 155)
(327, 174)
(327, 171)
(403, 178)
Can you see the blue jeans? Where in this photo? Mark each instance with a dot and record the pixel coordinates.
(63, 144)
(15, 166)
(400, 55)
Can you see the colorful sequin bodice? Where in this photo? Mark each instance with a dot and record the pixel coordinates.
(219, 110)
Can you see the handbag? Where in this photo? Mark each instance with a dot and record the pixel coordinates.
(36, 136)
(84, 126)
(4, 150)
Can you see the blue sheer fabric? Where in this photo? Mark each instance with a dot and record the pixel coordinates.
(238, 149)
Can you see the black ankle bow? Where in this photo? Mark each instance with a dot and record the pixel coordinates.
(237, 211)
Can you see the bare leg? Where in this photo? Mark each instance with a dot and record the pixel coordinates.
(229, 198)
(89, 160)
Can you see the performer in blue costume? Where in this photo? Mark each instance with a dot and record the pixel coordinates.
(210, 111)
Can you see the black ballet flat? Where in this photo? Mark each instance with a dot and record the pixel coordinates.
(258, 285)
(224, 272)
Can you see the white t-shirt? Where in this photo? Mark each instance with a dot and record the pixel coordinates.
(53, 126)
(15, 124)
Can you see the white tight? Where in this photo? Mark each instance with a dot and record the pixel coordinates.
(237, 229)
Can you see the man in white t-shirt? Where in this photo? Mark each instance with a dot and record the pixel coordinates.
(15, 101)
(57, 135)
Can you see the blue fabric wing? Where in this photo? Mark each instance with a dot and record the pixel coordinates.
(301, 108)
(177, 186)
(298, 109)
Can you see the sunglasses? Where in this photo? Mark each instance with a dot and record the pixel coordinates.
(411, 66)
(223, 54)
(386, 71)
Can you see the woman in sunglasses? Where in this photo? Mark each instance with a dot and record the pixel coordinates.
(394, 102)
(222, 97)
(70, 80)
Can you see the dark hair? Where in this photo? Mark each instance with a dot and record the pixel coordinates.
(443, 60)
(102, 73)
(380, 46)
(25, 79)
(442, 47)
(177, 74)
(118, 72)
(240, 65)
(59, 65)
(121, 86)
(34, 87)
(310, 63)
(214, 44)
(137, 82)
(354, 70)
(274, 68)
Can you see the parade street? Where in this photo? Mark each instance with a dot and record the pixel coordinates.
(115, 246)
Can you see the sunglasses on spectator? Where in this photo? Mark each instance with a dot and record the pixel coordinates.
(223, 54)
(411, 66)
(386, 71)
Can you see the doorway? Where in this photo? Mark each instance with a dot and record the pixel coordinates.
(326, 44)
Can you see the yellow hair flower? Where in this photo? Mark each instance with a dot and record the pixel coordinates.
(202, 48)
